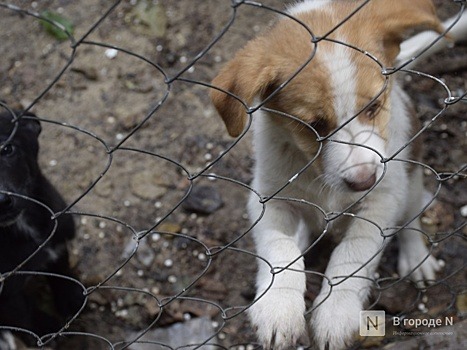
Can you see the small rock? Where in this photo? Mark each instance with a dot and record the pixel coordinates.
(133, 315)
(193, 331)
(111, 53)
(129, 249)
(203, 200)
(144, 185)
(148, 18)
(104, 188)
(130, 121)
(89, 72)
(464, 211)
(99, 298)
(145, 254)
(169, 227)
(461, 304)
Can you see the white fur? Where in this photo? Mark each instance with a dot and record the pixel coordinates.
(278, 314)
(278, 311)
(350, 162)
(305, 6)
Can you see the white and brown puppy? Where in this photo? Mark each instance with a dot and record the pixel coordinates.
(331, 110)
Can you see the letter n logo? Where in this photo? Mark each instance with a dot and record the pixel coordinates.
(372, 323)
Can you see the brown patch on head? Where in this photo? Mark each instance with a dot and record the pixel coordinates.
(270, 60)
(245, 77)
(379, 28)
(381, 25)
(262, 66)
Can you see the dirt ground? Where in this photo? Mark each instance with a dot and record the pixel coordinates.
(196, 258)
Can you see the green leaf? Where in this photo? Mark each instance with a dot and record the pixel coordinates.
(60, 26)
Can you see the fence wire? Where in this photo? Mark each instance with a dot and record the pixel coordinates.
(158, 191)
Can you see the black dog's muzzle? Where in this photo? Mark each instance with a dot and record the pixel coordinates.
(8, 211)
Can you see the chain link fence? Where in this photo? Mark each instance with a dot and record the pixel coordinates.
(163, 253)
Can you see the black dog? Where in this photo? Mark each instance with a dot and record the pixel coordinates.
(24, 226)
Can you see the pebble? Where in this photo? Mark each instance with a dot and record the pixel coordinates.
(194, 330)
(169, 227)
(144, 185)
(422, 307)
(461, 304)
(145, 254)
(203, 200)
(111, 53)
(121, 313)
(427, 221)
(202, 257)
(129, 249)
(464, 211)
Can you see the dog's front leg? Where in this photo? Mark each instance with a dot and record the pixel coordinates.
(337, 308)
(278, 310)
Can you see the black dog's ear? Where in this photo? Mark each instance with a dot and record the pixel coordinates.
(30, 121)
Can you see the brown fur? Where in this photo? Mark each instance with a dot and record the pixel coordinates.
(270, 60)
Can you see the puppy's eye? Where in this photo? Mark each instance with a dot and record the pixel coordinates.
(7, 150)
(372, 110)
(320, 125)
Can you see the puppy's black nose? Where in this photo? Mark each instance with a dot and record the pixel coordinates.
(6, 202)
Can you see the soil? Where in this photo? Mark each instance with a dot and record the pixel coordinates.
(128, 134)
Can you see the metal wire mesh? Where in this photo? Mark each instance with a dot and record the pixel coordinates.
(145, 258)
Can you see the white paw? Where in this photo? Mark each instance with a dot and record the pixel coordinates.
(279, 318)
(335, 321)
(409, 260)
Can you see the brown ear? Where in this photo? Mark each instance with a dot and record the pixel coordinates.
(400, 17)
(246, 76)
